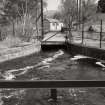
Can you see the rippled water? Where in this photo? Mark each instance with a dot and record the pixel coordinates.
(44, 63)
(57, 65)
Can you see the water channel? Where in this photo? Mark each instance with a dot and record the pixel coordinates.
(56, 65)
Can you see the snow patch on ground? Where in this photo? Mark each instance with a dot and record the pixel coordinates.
(97, 62)
(76, 57)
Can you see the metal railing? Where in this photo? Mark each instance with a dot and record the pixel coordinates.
(92, 34)
(52, 84)
(51, 36)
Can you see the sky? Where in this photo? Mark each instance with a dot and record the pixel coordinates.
(53, 4)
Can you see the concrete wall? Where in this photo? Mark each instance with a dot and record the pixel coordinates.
(87, 51)
(75, 49)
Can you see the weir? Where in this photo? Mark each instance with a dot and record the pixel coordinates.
(97, 53)
(73, 48)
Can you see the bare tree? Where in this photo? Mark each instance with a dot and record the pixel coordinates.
(89, 9)
(69, 13)
(23, 14)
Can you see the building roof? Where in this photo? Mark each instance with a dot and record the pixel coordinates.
(53, 20)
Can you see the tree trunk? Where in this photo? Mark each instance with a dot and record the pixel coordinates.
(36, 22)
(13, 24)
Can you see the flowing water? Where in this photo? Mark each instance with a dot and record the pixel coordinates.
(56, 65)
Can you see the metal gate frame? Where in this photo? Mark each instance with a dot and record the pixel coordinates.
(51, 84)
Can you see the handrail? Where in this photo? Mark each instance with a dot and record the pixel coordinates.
(51, 84)
(51, 36)
(54, 42)
(86, 31)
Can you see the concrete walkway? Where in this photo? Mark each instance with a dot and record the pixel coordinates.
(59, 37)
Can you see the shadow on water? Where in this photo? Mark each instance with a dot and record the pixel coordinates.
(89, 61)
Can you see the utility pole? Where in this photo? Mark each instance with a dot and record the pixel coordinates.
(42, 26)
(82, 11)
(77, 10)
(36, 20)
(101, 34)
(79, 13)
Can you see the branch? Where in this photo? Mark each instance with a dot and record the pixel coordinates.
(19, 12)
(23, 9)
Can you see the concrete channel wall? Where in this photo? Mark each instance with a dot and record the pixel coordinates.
(97, 53)
(52, 47)
(75, 49)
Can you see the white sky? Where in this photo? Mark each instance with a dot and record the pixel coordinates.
(52, 4)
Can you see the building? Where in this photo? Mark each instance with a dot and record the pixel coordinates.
(52, 25)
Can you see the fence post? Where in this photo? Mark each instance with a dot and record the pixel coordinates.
(101, 34)
(54, 94)
(13, 23)
(42, 24)
(82, 32)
